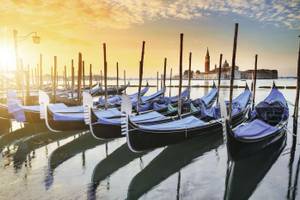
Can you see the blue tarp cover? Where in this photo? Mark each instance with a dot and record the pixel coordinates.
(254, 130)
(210, 96)
(68, 116)
(111, 112)
(185, 123)
(62, 108)
(150, 116)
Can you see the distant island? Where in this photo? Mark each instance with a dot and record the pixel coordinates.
(210, 74)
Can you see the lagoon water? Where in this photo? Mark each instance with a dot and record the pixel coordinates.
(37, 164)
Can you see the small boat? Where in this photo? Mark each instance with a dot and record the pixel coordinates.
(244, 174)
(105, 128)
(142, 137)
(267, 124)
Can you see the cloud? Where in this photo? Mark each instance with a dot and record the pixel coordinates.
(124, 13)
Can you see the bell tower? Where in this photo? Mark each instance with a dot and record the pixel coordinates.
(207, 61)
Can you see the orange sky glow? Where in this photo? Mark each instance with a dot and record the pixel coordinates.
(69, 27)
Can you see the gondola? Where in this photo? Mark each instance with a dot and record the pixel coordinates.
(72, 118)
(245, 173)
(105, 128)
(267, 124)
(30, 114)
(144, 137)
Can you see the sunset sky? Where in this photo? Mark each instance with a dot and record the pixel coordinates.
(268, 28)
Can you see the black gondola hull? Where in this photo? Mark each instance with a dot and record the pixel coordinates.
(141, 140)
(239, 148)
(64, 125)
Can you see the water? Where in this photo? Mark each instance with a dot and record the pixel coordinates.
(36, 164)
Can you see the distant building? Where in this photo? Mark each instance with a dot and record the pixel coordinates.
(213, 74)
(261, 74)
(207, 62)
(226, 72)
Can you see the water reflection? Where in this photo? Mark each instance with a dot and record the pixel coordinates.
(26, 147)
(245, 174)
(28, 130)
(5, 125)
(170, 161)
(114, 161)
(84, 142)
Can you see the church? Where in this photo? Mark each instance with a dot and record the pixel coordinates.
(213, 73)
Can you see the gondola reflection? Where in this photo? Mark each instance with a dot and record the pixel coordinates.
(113, 162)
(244, 175)
(28, 145)
(28, 130)
(170, 161)
(84, 142)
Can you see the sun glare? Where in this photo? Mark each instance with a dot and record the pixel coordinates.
(7, 53)
(7, 58)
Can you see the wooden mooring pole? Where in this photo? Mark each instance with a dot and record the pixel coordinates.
(124, 74)
(157, 80)
(140, 76)
(219, 77)
(254, 81)
(54, 80)
(83, 74)
(117, 77)
(164, 77)
(190, 74)
(41, 71)
(79, 76)
(170, 84)
(105, 74)
(233, 69)
(180, 75)
(72, 78)
(91, 78)
(296, 108)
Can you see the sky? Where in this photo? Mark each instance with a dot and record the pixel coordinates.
(267, 28)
